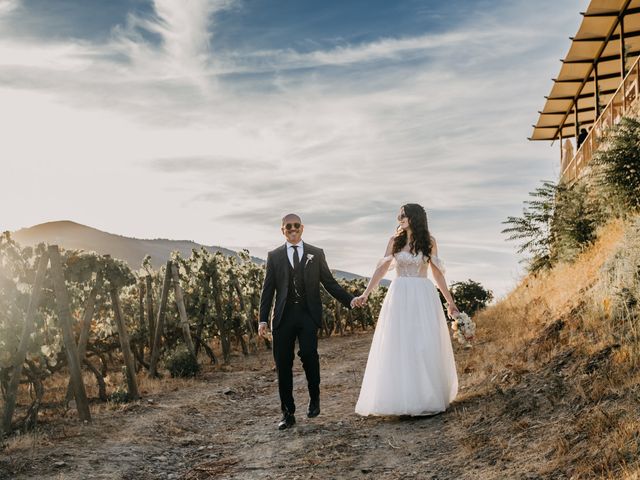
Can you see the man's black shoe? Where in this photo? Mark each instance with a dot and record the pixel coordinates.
(314, 408)
(287, 421)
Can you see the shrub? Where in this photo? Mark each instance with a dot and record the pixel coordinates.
(577, 215)
(470, 296)
(617, 164)
(558, 224)
(182, 363)
(533, 228)
(120, 395)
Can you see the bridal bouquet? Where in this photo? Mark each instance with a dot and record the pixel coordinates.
(463, 328)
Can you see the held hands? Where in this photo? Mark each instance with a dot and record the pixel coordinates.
(359, 301)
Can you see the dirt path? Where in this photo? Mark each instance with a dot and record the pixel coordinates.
(223, 425)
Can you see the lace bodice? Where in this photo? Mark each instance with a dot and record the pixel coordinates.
(409, 265)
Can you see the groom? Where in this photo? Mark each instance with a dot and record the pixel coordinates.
(294, 273)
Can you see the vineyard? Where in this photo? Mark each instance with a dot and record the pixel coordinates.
(65, 311)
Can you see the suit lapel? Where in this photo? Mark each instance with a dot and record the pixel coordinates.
(286, 265)
(303, 264)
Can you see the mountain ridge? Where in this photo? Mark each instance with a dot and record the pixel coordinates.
(73, 235)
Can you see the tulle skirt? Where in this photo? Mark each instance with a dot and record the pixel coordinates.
(410, 369)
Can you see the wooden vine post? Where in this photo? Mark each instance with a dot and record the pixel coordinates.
(232, 320)
(64, 319)
(143, 325)
(149, 293)
(155, 350)
(125, 346)
(184, 320)
(34, 302)
(87, 317)
(223, 330)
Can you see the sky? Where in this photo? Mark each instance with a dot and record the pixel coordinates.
(208, 120)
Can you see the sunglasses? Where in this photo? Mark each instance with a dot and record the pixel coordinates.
(401, 216)
(291, 226)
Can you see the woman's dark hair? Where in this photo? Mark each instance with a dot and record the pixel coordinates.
(421, 241)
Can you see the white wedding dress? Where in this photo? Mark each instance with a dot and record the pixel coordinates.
(410, 369)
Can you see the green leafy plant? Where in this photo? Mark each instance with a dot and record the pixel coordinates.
(533, 228)
(577, 215)
(182, 363)
(470, 296)
(120, 395)
(617, 164)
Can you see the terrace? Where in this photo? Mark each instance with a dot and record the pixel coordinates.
(597, 85)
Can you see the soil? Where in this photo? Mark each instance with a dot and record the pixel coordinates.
(224, 425)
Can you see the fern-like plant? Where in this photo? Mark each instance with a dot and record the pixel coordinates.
(617, 166)
(578, 213)
(533, 228)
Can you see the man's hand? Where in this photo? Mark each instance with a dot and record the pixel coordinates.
(262, 329)
(359, 301)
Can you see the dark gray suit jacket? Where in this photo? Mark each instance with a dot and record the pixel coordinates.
(316, 271)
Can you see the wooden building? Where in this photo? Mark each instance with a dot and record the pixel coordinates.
(597, 84)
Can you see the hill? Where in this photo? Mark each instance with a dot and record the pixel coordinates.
(556, 378)
(75, 236)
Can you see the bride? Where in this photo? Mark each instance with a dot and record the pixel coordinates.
(410, 370)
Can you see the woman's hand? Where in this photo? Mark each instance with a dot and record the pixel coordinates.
(361, 300)
(452, 310)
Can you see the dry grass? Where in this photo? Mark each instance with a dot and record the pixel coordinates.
(555, 376)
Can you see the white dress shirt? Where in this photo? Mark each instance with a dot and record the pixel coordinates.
(290, 251)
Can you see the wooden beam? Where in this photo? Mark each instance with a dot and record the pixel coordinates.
(623, 58)
(584, 95)
(576, 121)
(584, 122)
(608, 76)
(531, 139)
(596, 93)
(561, 151)
(602, 39)
(608, 58)
(563, 112)
(613, 13)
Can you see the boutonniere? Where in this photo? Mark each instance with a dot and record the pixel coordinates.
(309, 259)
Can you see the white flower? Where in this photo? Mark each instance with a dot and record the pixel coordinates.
(464, 329)
(309, 258)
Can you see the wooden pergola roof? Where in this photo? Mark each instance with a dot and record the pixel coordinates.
(597, 56)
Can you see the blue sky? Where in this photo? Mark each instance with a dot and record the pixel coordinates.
(209, 119)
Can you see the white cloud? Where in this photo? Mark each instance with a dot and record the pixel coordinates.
(172, 139)
(7, 6)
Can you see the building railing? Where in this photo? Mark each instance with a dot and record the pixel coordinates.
(621, 103)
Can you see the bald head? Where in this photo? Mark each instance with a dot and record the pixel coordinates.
(291, 217)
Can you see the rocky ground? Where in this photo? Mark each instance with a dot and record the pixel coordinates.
(223, 425)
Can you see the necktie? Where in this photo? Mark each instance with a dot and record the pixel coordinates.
(296, 257)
